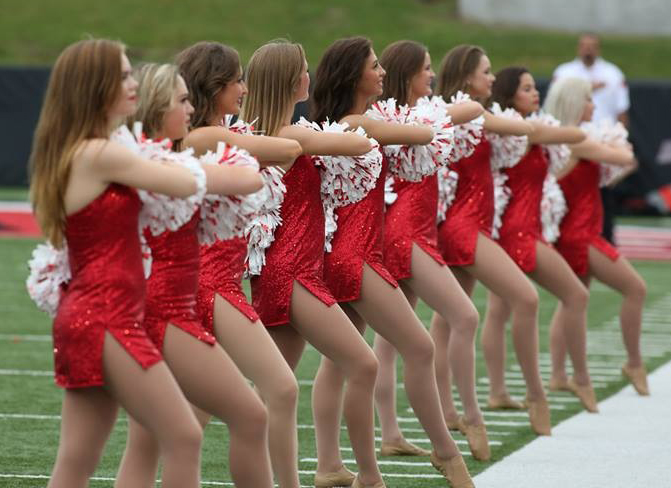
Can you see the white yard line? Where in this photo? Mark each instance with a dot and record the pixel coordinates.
(625, 445)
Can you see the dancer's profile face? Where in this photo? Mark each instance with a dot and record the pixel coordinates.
(480, 82)
(370, 83)
(588, 110)
(420, 83)
(176, 120)
(303, 86)
(526, 99)
(229, 98)
(126, 103)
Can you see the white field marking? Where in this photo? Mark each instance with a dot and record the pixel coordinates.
(546, 361)
(546, 376)
(485, 381)
(497, 423)
(24, 372)
(103, 478)
(414, 464)
(546, 368)
(30, 416)
(25, 337)
(502, 413)
(483, 405)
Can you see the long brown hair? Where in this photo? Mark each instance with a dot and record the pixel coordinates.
(85, 83)
(273, 74)
(207, 67)
(401, 60)
(506, 85)
(459, 63)
(337, 77)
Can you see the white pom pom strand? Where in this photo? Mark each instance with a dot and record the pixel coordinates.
(447, 190)
(507, 150)
(553, 208)
(49, 270)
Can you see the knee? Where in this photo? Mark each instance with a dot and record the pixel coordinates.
(637, 290)
(528, 302)
(424, 349)
(79, 459)
(467, 323)
(184, 440)
(366, 369)
(580, 297)
(284, 395)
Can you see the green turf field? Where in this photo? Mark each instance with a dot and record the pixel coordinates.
(30, 403)
(29, 33)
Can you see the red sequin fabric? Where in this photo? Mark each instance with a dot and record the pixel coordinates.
(106, 293)
(222, 266)
(173, 283)
(521, 224)
(411, 219)
(297, 253)
(583, 222)
(472, 210)
(358, 240)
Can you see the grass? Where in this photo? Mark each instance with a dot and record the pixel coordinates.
(28, 446)
(157, 31)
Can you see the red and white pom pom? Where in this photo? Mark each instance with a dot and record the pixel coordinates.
(558, 154)
(553, 208)
(330, 225)
(468, 135)
(501, 199)
(507, 150)
(613, 134)
(260, 229)
(346, 179)
(49, 271)
(239, 126)
(390, 194)
(389, 111)
(447, 190)
(225, 216)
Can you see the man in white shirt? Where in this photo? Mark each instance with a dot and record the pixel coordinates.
(609, 88)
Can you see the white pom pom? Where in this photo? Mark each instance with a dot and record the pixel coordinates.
(612, 134)
(468, 135)
(330, 225)
(558, 154)
(506, 150)
(225, 216)
(501, 199)
(447, 190)
(346, 179)
(553, 208)
(240, 126)
(49, 269)
(390, 194)
(260, 229)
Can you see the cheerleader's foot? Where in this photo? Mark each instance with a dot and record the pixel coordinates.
(478, 443)
(638, 377)
(452, 422)
(402, 448)
(359, 484)
(586, 395)
(504, 402)
(342, 477)
(559, 384)
(539, 416)
(454, 469)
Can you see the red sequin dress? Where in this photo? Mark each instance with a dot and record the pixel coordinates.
(297, 252)
(472, 211)
(173, 283)
(106, 292)
(358, 240)
(521, 225)
(411, 219)
(222, 266)
(582, 224)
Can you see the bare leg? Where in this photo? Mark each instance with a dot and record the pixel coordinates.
(493, 342)
(555, 275)
(385, 385)
(621, 276)
(329, 330)
(439, 289)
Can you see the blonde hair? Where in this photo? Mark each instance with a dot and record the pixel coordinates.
(84, 85)
(273, 74)
(156, 88)
(566, 99)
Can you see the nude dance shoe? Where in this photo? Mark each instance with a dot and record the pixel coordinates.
(638, 377)
(402, 448)
(586, 395)
(342, 477)
(504, 402)
(359, 484)
(555, 384)
(539, 416)
(476, 435)
(453, 424)
(454, 469)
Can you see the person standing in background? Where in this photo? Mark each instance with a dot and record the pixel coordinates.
(610, 95)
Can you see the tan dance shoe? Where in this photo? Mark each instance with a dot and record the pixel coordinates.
(402, 448)
(586, 395)
(454, 469)
(476, 435)
(453, 424)
(539, 416)
(638, 377)
(555, 384)
(359, 484)
(504, 403)
(342, 477)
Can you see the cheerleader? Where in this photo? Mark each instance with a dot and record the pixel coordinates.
(214, 76)
(580, 240)
(521, 237)
(82, 192)
(349, 77)
(170, 316)
(465, 238)
(289, 293)
(412, 257)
